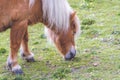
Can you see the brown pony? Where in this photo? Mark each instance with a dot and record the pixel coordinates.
(60, 20)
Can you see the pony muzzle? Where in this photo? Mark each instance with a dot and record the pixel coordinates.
(71, 54)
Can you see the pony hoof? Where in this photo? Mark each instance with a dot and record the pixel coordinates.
(9, 66)
(30, 59)
(18, 72)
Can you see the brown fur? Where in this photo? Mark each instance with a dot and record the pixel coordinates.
(62, 43)
(17, 15)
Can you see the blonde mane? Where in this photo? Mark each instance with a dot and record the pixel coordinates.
(50, 34)
(57, 12)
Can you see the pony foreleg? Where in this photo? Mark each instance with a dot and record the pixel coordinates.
(24, 50)
(16, 36)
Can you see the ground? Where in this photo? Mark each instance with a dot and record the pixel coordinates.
(98, 47)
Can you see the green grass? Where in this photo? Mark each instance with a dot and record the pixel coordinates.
(98, 47)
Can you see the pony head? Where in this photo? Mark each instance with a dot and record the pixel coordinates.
(62, 26)
(64, 40)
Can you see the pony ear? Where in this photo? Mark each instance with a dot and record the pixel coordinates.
(72, 16)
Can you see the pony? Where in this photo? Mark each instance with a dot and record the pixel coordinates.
(61, 26)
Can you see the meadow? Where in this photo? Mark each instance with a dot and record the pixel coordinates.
(98, 47)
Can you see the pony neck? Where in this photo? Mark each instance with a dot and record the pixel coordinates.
(35, 12)
(56, 14)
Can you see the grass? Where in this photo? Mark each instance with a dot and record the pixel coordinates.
(98, 47)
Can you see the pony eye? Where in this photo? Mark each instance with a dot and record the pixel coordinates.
(73, 25)
(74, 32)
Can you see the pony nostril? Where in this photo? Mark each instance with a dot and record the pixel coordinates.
(73, 50)
(70, 55)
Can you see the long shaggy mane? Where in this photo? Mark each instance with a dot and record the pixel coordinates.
(57, 12)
